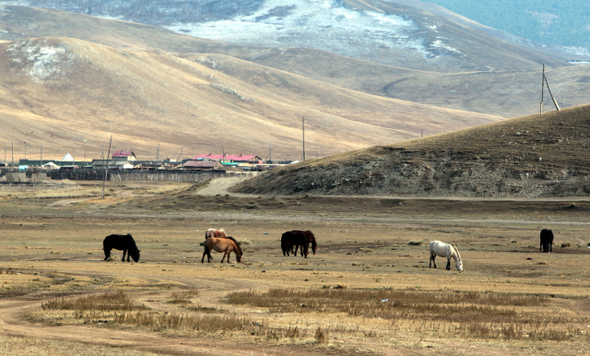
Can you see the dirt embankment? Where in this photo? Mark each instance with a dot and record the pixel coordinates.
(535, 156)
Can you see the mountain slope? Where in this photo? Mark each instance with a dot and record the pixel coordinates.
(501, 93)
(533, 156)
(61, 93)
(374, 30)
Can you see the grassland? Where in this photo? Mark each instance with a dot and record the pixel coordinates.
(367, 291)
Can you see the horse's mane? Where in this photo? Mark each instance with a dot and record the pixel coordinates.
(237, 244)
(456, 250)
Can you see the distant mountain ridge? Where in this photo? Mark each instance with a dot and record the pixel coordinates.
(392, 33)
(548, 22)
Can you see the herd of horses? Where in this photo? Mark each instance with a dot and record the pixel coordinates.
(291, 241)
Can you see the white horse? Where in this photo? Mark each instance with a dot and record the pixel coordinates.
(442, 249)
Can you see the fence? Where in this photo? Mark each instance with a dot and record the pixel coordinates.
(131, 175)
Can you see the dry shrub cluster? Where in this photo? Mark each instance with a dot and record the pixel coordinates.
(116, 308)
(109, 301)
(464, 314)
(171, 321)
(183, 297)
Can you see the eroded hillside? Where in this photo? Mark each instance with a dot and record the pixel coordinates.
(534, 156)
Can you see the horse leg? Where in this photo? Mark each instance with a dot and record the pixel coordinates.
(432, 260)
(123, 259)
(551, 247)
(448, 263)
(107, 254)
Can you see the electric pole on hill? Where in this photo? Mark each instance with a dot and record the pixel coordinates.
(303, 129)
(543, 82)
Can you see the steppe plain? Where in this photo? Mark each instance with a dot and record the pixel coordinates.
(367, 291)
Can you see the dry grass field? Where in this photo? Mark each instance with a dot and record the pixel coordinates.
(367, 291)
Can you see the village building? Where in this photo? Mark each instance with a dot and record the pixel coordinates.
(124, 156)
(205, 165)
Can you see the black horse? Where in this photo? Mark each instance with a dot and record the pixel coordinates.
(295, 239)
(121, 242)
(546, 241)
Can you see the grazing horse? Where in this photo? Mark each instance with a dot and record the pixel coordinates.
(121, 242)
(546, 241)
(295, 239)
(310, 238)
(442, 249)
(225, 245)
(215, 233)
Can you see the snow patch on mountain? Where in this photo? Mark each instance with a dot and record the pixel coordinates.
(39, 60)
(318, 24)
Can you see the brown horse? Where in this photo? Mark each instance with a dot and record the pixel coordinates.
(225, 245)
(215, 233)
(309, 237)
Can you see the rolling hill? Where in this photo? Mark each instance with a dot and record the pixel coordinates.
(62, 93)
(70, 81)
(533, 156)
(508, 90)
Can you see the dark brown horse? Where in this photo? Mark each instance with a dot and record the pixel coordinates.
(291, 240)
(310, 238)
(215, 233)
(225, 245)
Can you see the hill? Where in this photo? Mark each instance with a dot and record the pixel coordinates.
(62, 93)
(501, 91)
(378, 31)
(533, 156)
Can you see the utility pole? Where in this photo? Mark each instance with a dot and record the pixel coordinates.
(106, 171)
(542, 90)
(545, 81)
(41, 156)
(303, 129)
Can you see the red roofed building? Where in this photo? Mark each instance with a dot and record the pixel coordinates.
(124, 156)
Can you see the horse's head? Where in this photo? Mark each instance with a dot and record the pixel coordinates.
(135, 256)
(459, 264)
